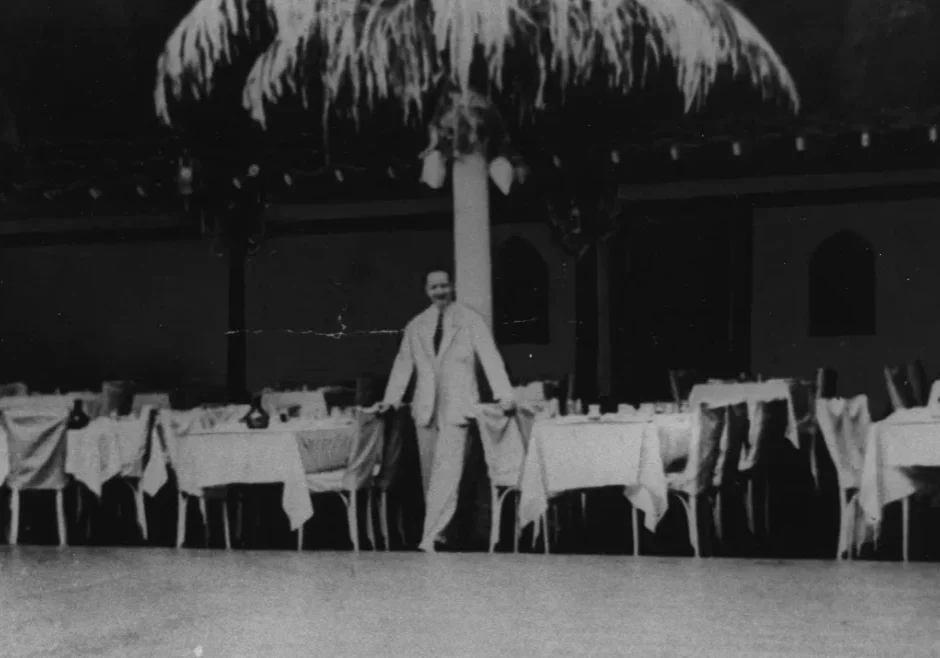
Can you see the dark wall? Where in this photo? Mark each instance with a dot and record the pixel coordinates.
(682, 296)
(76, 315)
(320, 308)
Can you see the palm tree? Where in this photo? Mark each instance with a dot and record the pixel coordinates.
(466, 65)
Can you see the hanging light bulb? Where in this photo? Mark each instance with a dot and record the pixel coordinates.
(339, 175)
(94, 193)
(800, 144)
(434, 170)
(254, 170)
(556, 161)
(674, 152)
(501, 171)
(615, 157)
(185, 176)
(735, 149)
(288, 180)
(866, 140)
(932, 134)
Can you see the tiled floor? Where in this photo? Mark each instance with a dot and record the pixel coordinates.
(154, 602)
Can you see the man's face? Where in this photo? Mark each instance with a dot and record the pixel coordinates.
(439, 288)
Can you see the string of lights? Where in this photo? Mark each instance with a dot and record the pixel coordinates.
(148, 174)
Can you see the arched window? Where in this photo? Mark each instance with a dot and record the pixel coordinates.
(842, 287)
(520, 294)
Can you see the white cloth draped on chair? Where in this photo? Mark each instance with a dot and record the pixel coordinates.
(363, 465)
(845, 425)
(36, 447)
(504, 440)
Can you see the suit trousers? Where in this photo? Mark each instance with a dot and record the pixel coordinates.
(442, 449)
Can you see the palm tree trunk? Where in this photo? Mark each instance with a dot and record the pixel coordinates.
(473, 272)
(472, 258)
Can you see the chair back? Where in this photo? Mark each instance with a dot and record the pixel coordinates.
(399, 432)
(312, 404)
(844, 425)
(151, 400)
(933, 400)
(827, 381)
(682, 382)
(366, 453)
(36, 442)
(503, 445)
(15, 389)
(708, 428)
(907, 385)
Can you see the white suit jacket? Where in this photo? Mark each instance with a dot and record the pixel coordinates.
(446, 385)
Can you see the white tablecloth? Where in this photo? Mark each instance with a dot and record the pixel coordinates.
(214, 459)
(724, 395)
(229, 453)
(904, 440)
(565, 456)
(107, 448)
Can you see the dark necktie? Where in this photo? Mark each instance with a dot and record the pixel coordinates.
(439, 333)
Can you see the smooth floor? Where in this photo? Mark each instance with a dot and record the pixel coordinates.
(156, 602)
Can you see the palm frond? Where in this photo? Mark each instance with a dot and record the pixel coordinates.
(203, 41)
(402, 49)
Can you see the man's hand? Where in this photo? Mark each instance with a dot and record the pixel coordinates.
(508, 405)
(382, 408)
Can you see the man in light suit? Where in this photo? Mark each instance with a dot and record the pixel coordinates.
(441, 347)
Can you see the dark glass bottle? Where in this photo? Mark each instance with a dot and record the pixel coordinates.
(78, 419)
(257, 418)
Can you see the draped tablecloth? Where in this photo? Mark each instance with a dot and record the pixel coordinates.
(566, 455)
(751, 393)
(905, 441)
(229, 453)
(106, 448)
(213, 459)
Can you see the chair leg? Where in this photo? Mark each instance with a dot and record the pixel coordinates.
(494, 517)
(693, 526)
(14, 516)
(370, 529)
(383, 520)
(181, 521)
(843, 531)
(141, 510)
(906, 526)
(400, 516)
(205, 518)
(353, 517)
(545, 532)
(239, 517)
(517, 530)
(636, 530)
(228, 536)
(749, 506)
(584, 508)
(767, 508)
(60, 517)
